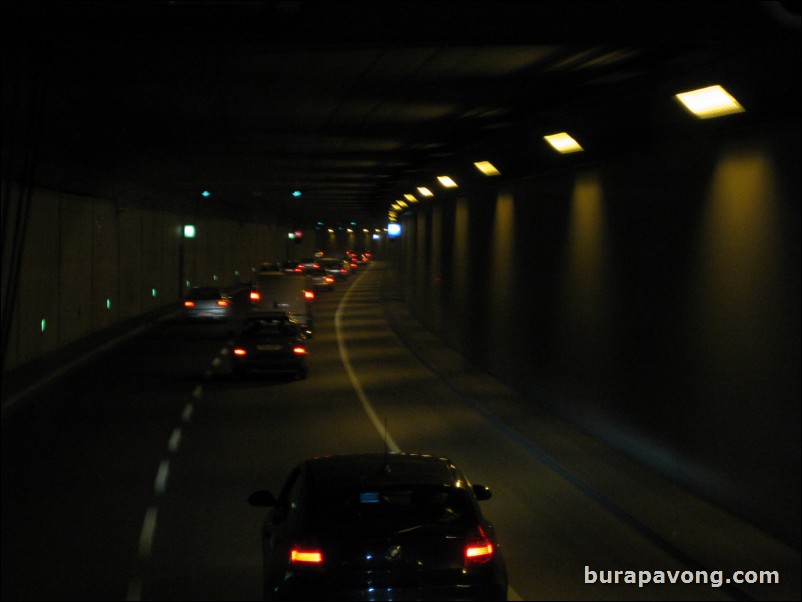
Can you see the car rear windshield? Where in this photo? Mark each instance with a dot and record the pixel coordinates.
(270, 328)
(204, 294)
(374, 511)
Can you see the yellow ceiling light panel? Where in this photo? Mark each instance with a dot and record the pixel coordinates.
(713, 101)
(487, 168)
(563, 143)
(446, 182)
(410, 198)
(425, 191)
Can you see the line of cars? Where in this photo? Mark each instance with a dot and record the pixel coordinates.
(376, 526)
(274, 333)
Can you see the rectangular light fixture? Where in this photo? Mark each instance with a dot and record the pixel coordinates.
(410, 198)
(563, 143)
(487, 168)
(425, 191)
(447, 182)
(713, 101)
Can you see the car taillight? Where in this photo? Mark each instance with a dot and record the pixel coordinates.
(309, 295)
(255, 296)
(478, 548)
(298, 350)
(189, 304)
(222, 303)
(302, 555)
(240, 351)
(329, 279)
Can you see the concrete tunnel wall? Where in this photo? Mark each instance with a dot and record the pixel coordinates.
(91, 263)
(653, 299)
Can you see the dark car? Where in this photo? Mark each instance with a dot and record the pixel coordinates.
(382, 526)
(270, 342)
(207, 303)
(339, 268)
(319, 279)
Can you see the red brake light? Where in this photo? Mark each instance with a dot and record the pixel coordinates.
(478, 549)
(309, 294)
(298, 350)
(329, 279)
(222, 303)
(240, 351)
(255, 296)
(189, 304)
(300, 555)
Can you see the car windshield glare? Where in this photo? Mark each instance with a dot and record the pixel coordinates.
(377, 511)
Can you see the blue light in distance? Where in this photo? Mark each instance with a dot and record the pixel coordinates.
(393, 230)
(296, 193)
(206, 194)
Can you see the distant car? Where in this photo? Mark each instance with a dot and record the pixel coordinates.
(284, 292)
(308, 263)
(381, 526)
(207, 303)
(292, 266)
(338, 268)
(270, 342)
(319, 279)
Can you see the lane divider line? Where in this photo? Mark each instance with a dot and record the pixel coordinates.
(160, 485)
(175, 440)
(363, 398)
(146, 535)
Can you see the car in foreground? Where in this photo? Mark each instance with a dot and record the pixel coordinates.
(270, 342)
(379, 526)
(207, 303)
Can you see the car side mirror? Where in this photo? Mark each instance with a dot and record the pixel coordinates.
(262, 498)
(482, 492)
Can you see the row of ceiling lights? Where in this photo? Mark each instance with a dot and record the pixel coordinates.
(704, 103)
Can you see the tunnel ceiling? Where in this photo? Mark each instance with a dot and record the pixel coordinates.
(356, 103)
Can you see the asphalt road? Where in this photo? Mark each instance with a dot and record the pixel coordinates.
(128, 477)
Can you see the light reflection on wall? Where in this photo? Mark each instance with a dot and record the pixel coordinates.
(736, 285)
(582, 303)
(502, 264)
(460, 256)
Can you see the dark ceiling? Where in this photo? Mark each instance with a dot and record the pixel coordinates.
(356, 103)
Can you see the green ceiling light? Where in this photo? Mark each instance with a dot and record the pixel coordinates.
(43, 324)
(189, 231)
(206, 194)
(296, 193)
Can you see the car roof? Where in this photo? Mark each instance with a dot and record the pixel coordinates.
(351, 470)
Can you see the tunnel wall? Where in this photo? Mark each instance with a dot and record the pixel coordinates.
(90, 263)
(652, 299)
